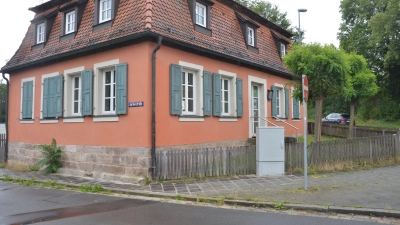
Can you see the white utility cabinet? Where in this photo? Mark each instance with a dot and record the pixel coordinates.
(270, 151)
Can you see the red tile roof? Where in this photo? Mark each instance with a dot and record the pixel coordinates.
(169, 18)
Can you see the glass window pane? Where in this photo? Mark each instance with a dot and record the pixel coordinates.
(108, 77)
(183, 105)
(107, 105)
(109, 4)
(255, 91)
(225, 84)
(190, 92)
(75, 107)
(255, 113)
(183, 78)
(190, 78)
(183, 91)
(76, 83)
(190, 105)
(114, 104)
(76, 94)
(225, 95)
(226, 109)
(113, 90)
(255, 103)
(108, 91)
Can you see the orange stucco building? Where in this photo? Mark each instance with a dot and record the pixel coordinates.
(114, 81)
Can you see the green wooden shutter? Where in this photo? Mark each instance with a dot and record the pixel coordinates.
(175, 103)
(207, 94)
(121, 88)
(45, 103)
(27, 99)
(286, 103)
(273, 102)
(87, 90)
(296, 109)
(217, 94)
(58, 98)
(239, 97)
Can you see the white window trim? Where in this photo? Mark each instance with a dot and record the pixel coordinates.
(98, 91)
(252, 37)
(38, 41)
(205, 14)
(198, 72)
(293, 99)
(194, 92)
(101, 10)
(33, 99)
(41, 98)
(79, 95)
(69, 74)
(112, 102)
(221, 119)
(282, 107)
(232, 94)
(66, 22)
(283, 50)
(263, 99)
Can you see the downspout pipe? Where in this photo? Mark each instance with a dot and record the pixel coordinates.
(153, 108)
(6, 122)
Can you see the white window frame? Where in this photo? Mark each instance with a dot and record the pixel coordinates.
(79, 113)
(69, 115)
(231, 77)
(250, 36)
(185, 107)
(112, 98)
(33, 99)
(41, 99)
(283, 50)
(281, 89)
(293, 99)
(199, 5)
(71, 15)
(225, 88)
(40, 32)
(98, 91)
(198, 74)
(101, 10)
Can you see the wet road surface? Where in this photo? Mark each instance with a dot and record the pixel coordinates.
(35, 205)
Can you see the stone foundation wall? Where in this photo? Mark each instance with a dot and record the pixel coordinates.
(124, 164)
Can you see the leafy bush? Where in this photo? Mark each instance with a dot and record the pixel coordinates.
(52, 155)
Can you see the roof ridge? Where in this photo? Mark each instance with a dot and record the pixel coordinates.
(149, 14)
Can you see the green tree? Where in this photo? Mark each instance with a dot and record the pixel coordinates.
(272, 13)
(362, 85)
(327, 72)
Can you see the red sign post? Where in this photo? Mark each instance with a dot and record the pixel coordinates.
(305, 87)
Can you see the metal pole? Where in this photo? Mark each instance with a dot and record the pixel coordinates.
(299, 27)
(305, 138)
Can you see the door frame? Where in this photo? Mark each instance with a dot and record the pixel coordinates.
(262, 83)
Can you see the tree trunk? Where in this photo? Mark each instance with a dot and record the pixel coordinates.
(318, 118)
(351, 125)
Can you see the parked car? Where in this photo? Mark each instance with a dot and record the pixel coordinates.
(337, 118)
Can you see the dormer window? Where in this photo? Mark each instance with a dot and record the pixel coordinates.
(250, 37)
(40, 28)
(201, 16)
(70, 22)
(200, 11)
(283, 50)
(105, 11)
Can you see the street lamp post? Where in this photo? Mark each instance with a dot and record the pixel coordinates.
(300, 11)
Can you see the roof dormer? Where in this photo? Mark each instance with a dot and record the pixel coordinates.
(71, 19)
(42, 27)
(249, 31)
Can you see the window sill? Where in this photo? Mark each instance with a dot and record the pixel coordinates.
(48, 120)
(37, 46)
(27, 121)
(253, 49)
(228, 119)
(68, 36)
(191, 118)
(102, 25)
(72, 119)
(296, 120)
(106, 118)
(202, 30)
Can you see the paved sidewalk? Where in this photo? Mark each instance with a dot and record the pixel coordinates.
(375, 189)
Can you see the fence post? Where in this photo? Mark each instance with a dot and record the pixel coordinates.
(397, 143)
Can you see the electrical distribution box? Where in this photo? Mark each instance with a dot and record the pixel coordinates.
(270, 151)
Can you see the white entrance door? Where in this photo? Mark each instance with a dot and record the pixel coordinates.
(255, 107)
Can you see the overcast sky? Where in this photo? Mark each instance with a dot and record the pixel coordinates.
(321, 21)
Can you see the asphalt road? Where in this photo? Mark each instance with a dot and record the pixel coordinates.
(27, 205)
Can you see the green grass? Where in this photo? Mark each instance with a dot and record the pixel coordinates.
(310, 138)
(378, 123)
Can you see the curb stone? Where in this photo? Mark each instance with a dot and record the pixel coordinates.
(300, 207)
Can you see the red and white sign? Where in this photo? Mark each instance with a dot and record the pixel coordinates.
(305, 87)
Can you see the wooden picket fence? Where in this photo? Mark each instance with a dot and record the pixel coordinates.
(2, 146)
(336, 130)
(208, 162)
(360, 150)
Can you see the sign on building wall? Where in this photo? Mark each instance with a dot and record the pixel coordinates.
(136, 104)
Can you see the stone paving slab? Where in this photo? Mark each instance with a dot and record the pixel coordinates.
(376, 188)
